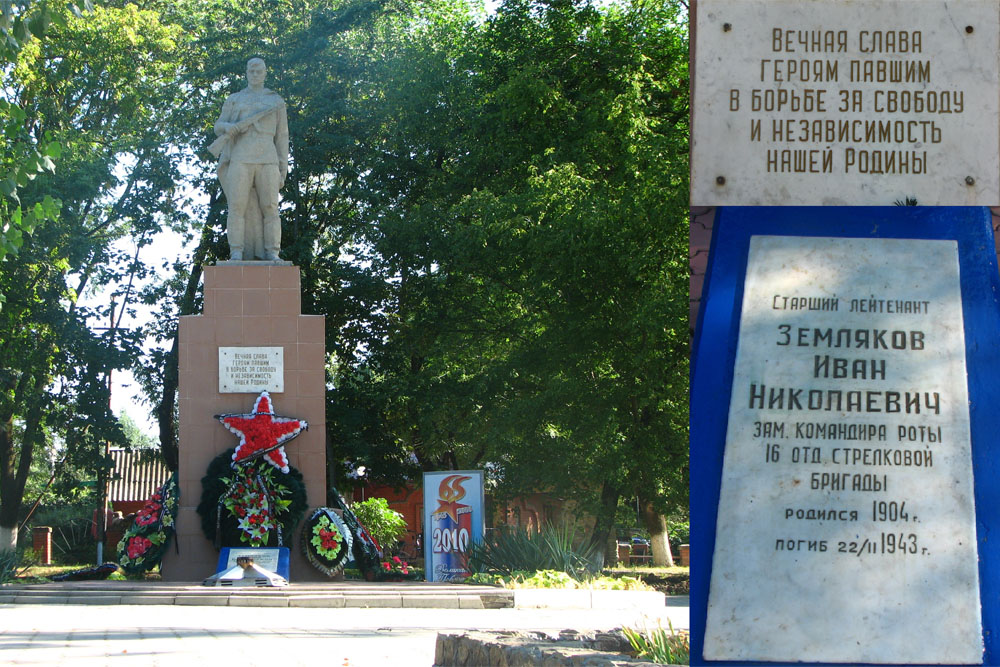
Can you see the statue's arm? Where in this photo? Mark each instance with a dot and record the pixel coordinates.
(225, 122)
(281, 141)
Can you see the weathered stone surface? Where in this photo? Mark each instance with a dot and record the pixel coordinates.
(253, 162)
(784, 121)
(258, 601)
(533, 649)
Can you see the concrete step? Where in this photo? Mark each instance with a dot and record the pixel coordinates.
(341, 594)
(337, 594)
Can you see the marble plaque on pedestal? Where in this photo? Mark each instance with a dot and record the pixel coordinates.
(846, 525)
(251, 369)
(274, 559)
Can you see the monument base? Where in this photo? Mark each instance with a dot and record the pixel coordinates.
(247, 304)
(253, 262)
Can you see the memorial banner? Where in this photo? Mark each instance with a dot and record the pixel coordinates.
(454, 516)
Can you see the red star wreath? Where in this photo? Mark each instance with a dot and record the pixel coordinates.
(263, 433)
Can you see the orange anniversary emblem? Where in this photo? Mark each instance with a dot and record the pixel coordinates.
(449, 493)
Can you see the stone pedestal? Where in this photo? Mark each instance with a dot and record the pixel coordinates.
(252, 304)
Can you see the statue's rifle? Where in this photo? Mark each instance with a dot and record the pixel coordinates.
(222, 143)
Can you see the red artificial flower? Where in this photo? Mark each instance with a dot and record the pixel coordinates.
(261, 432)
(145, 517)
(395, 559)
(137, 546)
(386, 566)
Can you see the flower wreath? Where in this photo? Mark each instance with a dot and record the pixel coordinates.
(250, 503)
(144, 543)
(326, 541)
(367, 552)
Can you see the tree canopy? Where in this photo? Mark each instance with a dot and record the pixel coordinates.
(94, 87)
(489, 209)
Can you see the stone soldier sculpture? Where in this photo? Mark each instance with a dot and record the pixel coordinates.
(253, 162)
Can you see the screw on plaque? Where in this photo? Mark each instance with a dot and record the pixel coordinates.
(969, 180)
(726, 27)
(720, 180)
(969, 29)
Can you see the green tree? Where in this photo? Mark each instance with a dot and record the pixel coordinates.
(490, 212)
(96, 85)
(525, 215)
(134, 435)
(386, 525)
(21, 157)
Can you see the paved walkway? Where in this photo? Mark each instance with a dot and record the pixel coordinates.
(173, 635)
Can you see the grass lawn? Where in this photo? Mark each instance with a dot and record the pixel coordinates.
(40, 574)
(669, 580)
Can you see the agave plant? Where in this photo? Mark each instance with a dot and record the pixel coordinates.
(662, 646)
(9, 561)
(513, 550)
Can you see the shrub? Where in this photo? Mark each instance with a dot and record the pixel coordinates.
(678, 532)
(510, 550)
(659, 645)
(386, 525)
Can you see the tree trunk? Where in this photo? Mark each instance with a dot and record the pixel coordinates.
(169, 446)
(659, 543)
(8, 538)
(165, 411)
(8, 520)
(12, 480)
(605, 525)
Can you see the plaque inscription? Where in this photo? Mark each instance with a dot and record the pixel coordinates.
(251, 369)
(846, 526)
(846, 103)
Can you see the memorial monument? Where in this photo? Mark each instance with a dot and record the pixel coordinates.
(843, 401)
(252, 346)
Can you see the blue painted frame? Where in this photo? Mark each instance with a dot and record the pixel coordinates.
(714, 356)
(283, 557)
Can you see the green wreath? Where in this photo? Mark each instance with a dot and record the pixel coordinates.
(239, 504)
(326, 541)
(144, 543)
(366, 551)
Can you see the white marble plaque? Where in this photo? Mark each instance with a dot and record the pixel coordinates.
(827, 102)
(251, 369)
(846, 528)
(263, 556)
